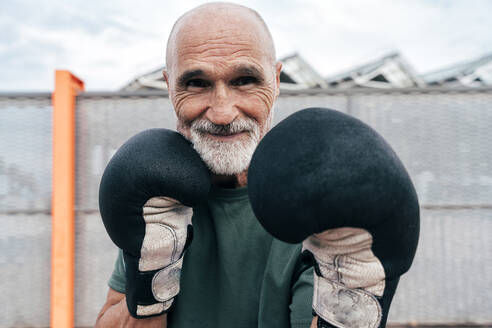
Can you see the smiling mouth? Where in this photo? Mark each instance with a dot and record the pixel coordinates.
(225, 136)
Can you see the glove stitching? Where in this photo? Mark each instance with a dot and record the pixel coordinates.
(336, 263)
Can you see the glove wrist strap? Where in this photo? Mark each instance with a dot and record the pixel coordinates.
(150, 293)
(345, 307)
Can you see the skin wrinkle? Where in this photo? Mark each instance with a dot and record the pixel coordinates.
(222, 41)
(218, 46)
(219, 57)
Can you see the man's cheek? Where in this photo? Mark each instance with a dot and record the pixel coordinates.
(258, 105)
(265, 95)
(183, 129)
(189, 106)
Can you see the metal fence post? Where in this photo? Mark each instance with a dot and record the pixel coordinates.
(63, 199)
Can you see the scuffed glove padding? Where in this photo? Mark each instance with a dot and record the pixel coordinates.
(329, 180)
(145, 198)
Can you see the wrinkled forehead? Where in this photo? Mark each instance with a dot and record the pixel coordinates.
(204, 36)
(220, 44)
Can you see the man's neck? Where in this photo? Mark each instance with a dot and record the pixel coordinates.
(231, 181)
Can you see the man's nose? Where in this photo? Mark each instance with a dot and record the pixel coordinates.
(222, 109)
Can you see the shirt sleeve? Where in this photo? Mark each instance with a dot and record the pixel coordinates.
(302, 298)
(117, 281)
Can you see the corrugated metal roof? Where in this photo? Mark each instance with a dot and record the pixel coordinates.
(296, 69)
(480, 68)
(388, 71)
(147, 81)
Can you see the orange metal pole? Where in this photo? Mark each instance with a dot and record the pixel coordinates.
(63, 200)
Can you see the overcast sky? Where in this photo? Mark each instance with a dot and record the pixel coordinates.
(108, 42)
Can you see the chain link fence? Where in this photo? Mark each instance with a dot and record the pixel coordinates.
(444, 138)
(25, 196)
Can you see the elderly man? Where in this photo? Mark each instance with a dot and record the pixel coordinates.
(319, 177)
(223, 80)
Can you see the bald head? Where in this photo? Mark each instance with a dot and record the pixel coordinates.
(215, 21)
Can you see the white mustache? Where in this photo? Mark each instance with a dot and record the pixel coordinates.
(203, 126)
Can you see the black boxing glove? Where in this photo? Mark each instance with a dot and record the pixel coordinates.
(145, 200)
(329, 180)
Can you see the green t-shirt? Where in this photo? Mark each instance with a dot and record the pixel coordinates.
(235, 274)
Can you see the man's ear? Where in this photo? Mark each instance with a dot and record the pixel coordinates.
(278, 69)
(166, 78)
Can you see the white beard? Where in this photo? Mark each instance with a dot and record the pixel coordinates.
(225, 157)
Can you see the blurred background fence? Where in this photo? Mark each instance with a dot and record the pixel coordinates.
(443, 136)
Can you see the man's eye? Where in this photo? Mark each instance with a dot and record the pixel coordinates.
(244, 80)
(197, 83)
